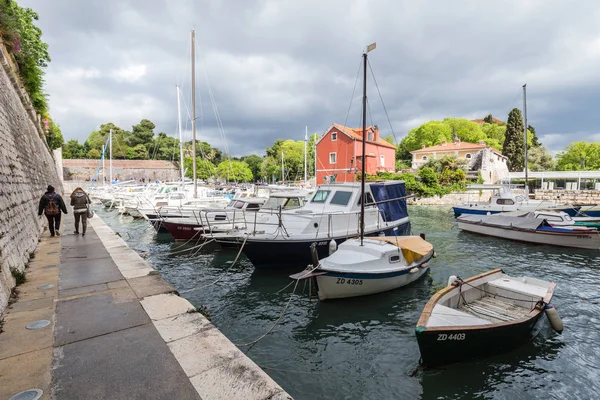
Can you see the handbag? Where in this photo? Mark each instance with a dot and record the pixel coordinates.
(90, 212)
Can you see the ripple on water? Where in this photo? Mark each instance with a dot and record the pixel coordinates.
(365, 348)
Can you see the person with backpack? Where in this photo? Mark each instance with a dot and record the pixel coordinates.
(51, 204)
(80, 201)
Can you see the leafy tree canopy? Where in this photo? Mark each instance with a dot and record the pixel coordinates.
(579, 156)
(539, 159)
(237, 171)
(204, 169)
(254, 163)
(513, 141)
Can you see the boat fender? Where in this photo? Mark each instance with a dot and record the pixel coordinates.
(314, 254)
(332, 246)
(415, 269)
(555, 321)
(452, 280)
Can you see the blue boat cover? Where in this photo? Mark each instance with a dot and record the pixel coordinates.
(393, 210)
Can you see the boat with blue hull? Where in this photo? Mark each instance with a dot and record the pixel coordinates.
(331, 216)
(506, 201)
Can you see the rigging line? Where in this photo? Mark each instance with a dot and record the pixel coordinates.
(353, 91)
(276, 322)
(381, 97)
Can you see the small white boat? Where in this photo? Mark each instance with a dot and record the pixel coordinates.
(482, 315)
(380, 264)
(526, 227)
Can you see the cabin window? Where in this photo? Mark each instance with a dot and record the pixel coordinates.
(394, 259)
(239, 205)
(332, 158)
(369, 199)
(253, 206)
(370, 136)
(519, 198)
(341, 198)
(220, 217)
(293, 202)
(468, 156)
(333, 136)
(320, 196)
(507, 202)
(424, 158)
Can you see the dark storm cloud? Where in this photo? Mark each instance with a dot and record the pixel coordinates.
(276, 66)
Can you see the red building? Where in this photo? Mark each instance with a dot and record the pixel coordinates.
(339, 154)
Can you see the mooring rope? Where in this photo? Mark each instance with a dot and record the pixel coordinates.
(307, 270)
(181, 251)
(232, 264)
(189, 240)
(276, 322)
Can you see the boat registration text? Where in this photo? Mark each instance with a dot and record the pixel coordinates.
(341, 281)
(453, 336)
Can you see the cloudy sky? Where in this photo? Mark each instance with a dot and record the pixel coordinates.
(274, 67)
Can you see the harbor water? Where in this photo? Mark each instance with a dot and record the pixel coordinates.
(365, 348)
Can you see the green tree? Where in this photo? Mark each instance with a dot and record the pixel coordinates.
(270, 168)
(513, 142)
(54, 137)
(494, 132)
(579, 156)
(24, 40)
(390, 139)
(428, 177)
(428, 134)
(535, 142)
(465, 130)
(254, 163)
(142, 133)
(237, 171)
(98, 138)
(165, 148)
(93, 154)
(138, 152)
(539, 159)
(72, 149)
(204, 169)
(488, 119)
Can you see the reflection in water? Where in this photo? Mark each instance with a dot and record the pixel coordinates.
(365, 348)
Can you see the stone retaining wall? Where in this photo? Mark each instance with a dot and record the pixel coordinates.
(452, 198)
(26, 168)
(150, 170)
(570, 196)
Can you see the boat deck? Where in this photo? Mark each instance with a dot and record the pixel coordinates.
(494, 310)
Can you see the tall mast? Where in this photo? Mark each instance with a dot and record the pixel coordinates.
(525, 137)
(180, 134)
(305, 154)
(110, 156)
(282, 169)
(194, 112)
(364, 144)
(103, 170)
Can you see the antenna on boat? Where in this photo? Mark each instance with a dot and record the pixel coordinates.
(525, 138)
(364, 144)
(194, 112)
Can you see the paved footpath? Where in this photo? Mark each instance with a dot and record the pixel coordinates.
(116, 330)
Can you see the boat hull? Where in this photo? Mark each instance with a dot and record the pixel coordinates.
(294, 253)
(183, 232)
(578, 239)
(341, 285)
(461, 210)
(444, 346)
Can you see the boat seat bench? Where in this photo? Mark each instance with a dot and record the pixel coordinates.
(446, 316)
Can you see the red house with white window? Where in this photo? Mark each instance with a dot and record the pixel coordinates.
(339, 154)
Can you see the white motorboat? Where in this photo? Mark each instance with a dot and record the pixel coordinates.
(526, 227)
(379, 264)
(506, 201)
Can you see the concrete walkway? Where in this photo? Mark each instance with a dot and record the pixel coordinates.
(117, 331)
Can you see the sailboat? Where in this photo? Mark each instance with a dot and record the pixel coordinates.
(368, 265)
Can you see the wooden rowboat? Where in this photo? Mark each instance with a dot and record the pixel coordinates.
(486, 314)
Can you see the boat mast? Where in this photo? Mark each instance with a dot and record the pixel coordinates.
(194, 112)
(282, 169)
(364, 144)
(305, 155)
(525, 137)
(180, 134)
(103, 170)
(110, 156)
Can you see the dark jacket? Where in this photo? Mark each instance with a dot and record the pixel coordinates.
(44, 201)
(80, 203)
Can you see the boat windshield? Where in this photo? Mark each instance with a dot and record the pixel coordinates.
(321, 196)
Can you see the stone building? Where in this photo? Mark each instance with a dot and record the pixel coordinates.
(480, 158)
(150, 170)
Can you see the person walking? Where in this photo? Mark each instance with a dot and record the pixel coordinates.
(51, 204)
(80, 201)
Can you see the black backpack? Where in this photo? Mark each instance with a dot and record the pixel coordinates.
(52, 206)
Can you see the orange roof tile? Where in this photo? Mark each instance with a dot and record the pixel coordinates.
(356, 133)
(451, 147)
